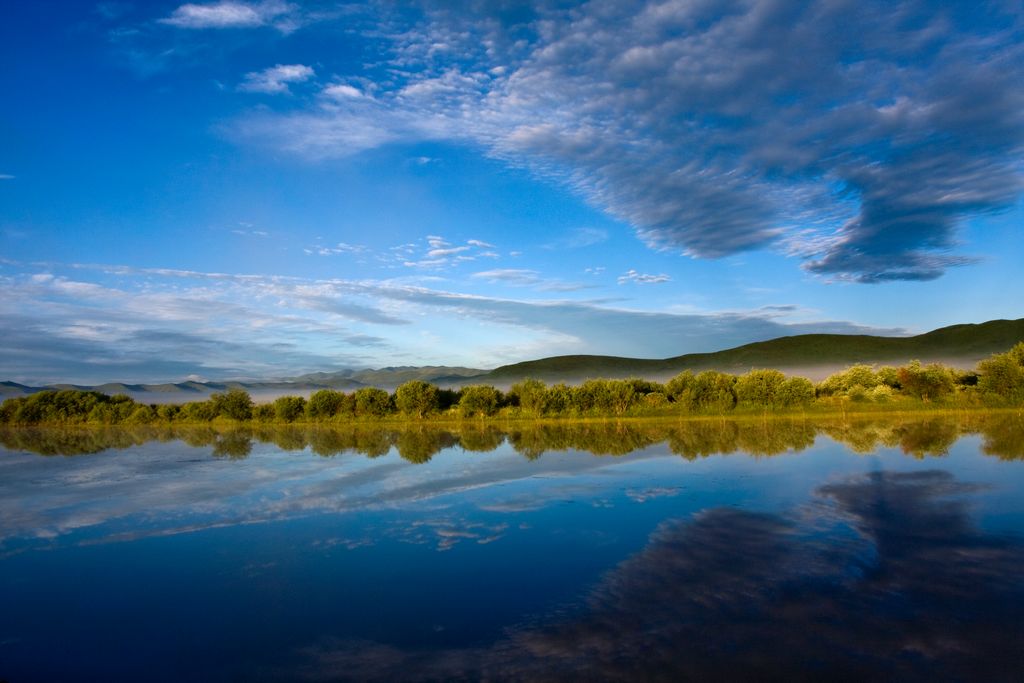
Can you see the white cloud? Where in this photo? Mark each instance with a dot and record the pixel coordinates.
(341, 91)
(159, 324)
(642, 278)
(276, 79)
(6, 176)
(340, 248)
(227, 14)
(514, 276)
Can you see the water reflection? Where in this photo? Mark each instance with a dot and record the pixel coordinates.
(932, 436)
(882, 576)
(477, 551)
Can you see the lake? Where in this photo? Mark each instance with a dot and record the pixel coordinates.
(716, 549)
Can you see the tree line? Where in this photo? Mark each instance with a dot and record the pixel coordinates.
(997, 381)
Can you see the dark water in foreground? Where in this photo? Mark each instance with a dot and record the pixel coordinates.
(706, 551)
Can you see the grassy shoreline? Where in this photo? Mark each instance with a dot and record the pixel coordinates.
(998, 383)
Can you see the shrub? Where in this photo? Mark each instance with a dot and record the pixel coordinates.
(235, 404)
(372, 402)
(842, 383)
(1002, 376)
(926, 382)
(479, 400)
(529, 395)
(713, 390)
(759, 388)
(795, 391)
(289, 408)
(417, 397)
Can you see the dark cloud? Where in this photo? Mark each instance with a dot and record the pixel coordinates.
(857, 135)
(703, 119)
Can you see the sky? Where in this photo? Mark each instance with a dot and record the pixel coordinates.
(239, 189)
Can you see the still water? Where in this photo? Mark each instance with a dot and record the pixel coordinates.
(769, 550)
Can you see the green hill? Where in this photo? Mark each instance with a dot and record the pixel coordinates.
(811, 354)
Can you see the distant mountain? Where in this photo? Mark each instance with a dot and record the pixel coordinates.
(392, 376)
(342, 380)
(810, 355)
(813, 355)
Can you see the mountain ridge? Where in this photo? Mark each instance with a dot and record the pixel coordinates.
(813, 355)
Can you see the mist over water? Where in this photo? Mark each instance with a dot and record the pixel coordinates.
(653, 550)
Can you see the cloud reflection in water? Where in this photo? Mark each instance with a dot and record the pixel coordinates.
(883, 576)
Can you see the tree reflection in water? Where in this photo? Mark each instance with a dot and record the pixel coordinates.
(920, 437)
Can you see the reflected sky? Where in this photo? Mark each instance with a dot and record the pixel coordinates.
(798, 550)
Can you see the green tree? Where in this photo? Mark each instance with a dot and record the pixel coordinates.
(557, 399)
(795, 392)
(142, 415)
(1002, 376)
(759, 388)
(841, 383)
(372, 402)
(198, 411)
(235, 404)
(479, 400)
(714, 391)
(928, 382)
(529, 394)
(289, 408)
(417, 398)
(680, 389)
(324, 404)
(264, 412)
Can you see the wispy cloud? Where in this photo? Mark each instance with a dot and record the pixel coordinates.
(276, 79)
(442, 254)
(632, 276)
(97, 323)
(579, 238)
(228, 14)
(850, 136)
(523, 277)
(339, 248)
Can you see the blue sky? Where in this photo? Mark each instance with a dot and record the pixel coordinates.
(261, 189)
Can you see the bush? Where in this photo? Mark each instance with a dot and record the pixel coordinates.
(289, 408)
(264, 413)
(795, 392)
(417, 398)
(842, 383)
(681, 389)
(557, 399)
(324, 404)
(479, 400)
(235, 404)
(713, 391)
(927, 382)
(198, 411)
(372, 402)
(529, 395)
(142, 415)
(759, 388)
(168, 411)
(1002, 376)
